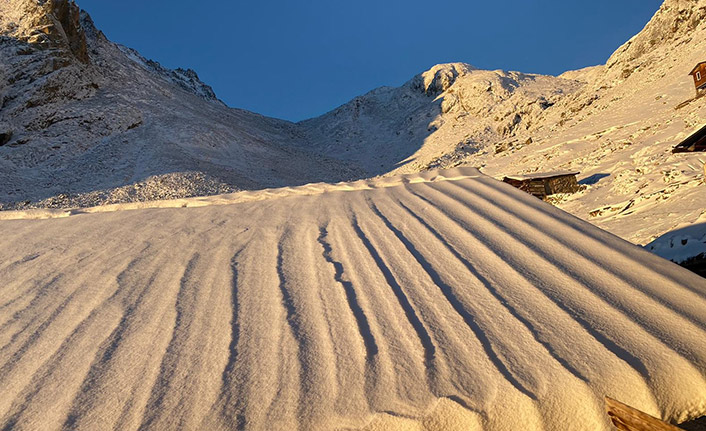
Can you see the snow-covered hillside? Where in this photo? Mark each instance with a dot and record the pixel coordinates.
(449, 109)
(618, 130)
(431, 300)
(441, 301)
(85, 121)
(615, 123)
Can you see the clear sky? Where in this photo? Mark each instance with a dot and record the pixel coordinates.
(296, 60)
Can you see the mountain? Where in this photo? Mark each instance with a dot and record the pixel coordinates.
(436, 300)
(620, 127)
(448, 109)
(615, 123)
(84, 121)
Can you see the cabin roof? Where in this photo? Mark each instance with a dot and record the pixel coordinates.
(693, 139)
(696, 67)
(541, 175)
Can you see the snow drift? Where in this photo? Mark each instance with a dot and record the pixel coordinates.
(437, 301)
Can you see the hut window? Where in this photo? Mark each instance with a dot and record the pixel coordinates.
(698, 76)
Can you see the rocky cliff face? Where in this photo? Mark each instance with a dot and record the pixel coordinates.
(47, 24)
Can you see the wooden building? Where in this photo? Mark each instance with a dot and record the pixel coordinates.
(695, 142)
(699, 75)
(542, 185)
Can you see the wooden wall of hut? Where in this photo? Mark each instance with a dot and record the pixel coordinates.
(565, 184)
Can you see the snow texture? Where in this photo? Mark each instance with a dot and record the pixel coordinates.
(438, 301)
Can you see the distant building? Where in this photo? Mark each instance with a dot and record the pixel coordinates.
(699, 75)
(542, 185)
(695, 142)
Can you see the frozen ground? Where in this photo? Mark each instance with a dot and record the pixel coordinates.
(440, 301)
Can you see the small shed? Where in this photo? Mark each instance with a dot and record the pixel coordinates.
(544, 184)
(699, 75)
(695, 142)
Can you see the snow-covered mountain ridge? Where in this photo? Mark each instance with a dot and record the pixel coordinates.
(615, 123)
(447, 109)
(85, 121)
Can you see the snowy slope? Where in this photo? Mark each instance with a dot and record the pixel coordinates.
(447, 109)
(683, 243)
(92, 123)
(86, 116)
(621, 128)
(615, 123)
(440, 301)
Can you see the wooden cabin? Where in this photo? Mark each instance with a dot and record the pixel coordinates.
(695, 142)
(542, 185)
(699, 75)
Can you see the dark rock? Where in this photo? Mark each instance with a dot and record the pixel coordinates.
(69, 16)
(695, 425)
(442, 81)
(135, 125)
(5, 136)
(696, 264)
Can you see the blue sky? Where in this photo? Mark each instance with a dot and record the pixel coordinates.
(296, 60)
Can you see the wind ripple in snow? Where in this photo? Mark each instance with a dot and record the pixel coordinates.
(441, 300)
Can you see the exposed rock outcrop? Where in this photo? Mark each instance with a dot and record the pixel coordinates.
(441, 77)
(5, 134)
(48, 24)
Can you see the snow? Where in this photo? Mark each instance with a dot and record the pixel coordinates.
(682, 243)
(84, 133)
(124, 128)
(615, 123)
(416, 299)
(451, 108)
(444, 300)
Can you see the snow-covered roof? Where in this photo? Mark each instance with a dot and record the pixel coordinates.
(541, 175)
(441, 300)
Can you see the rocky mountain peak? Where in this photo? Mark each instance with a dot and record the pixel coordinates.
(674, 24)
(441, 77)
(48, 24)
